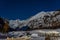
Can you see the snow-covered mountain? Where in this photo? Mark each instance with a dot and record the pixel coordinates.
(41, 19)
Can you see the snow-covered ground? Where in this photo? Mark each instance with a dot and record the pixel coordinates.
(37, 34)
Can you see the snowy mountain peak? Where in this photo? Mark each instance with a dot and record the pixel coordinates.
(41, 19)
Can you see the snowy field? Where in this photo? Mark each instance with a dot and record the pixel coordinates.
(37, 32)
(40, 33)
(46, 30)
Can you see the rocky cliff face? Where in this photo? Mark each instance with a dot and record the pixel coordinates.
(45, 20)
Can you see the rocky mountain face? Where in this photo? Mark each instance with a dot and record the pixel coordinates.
(45, 20)
(50, 19)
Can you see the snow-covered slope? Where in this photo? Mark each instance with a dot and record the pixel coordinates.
(45, 19)
(41, 19)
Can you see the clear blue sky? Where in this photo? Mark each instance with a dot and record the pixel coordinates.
(23, 9)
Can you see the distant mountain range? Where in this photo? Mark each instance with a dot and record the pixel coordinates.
(50, 19)
(42, 20)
